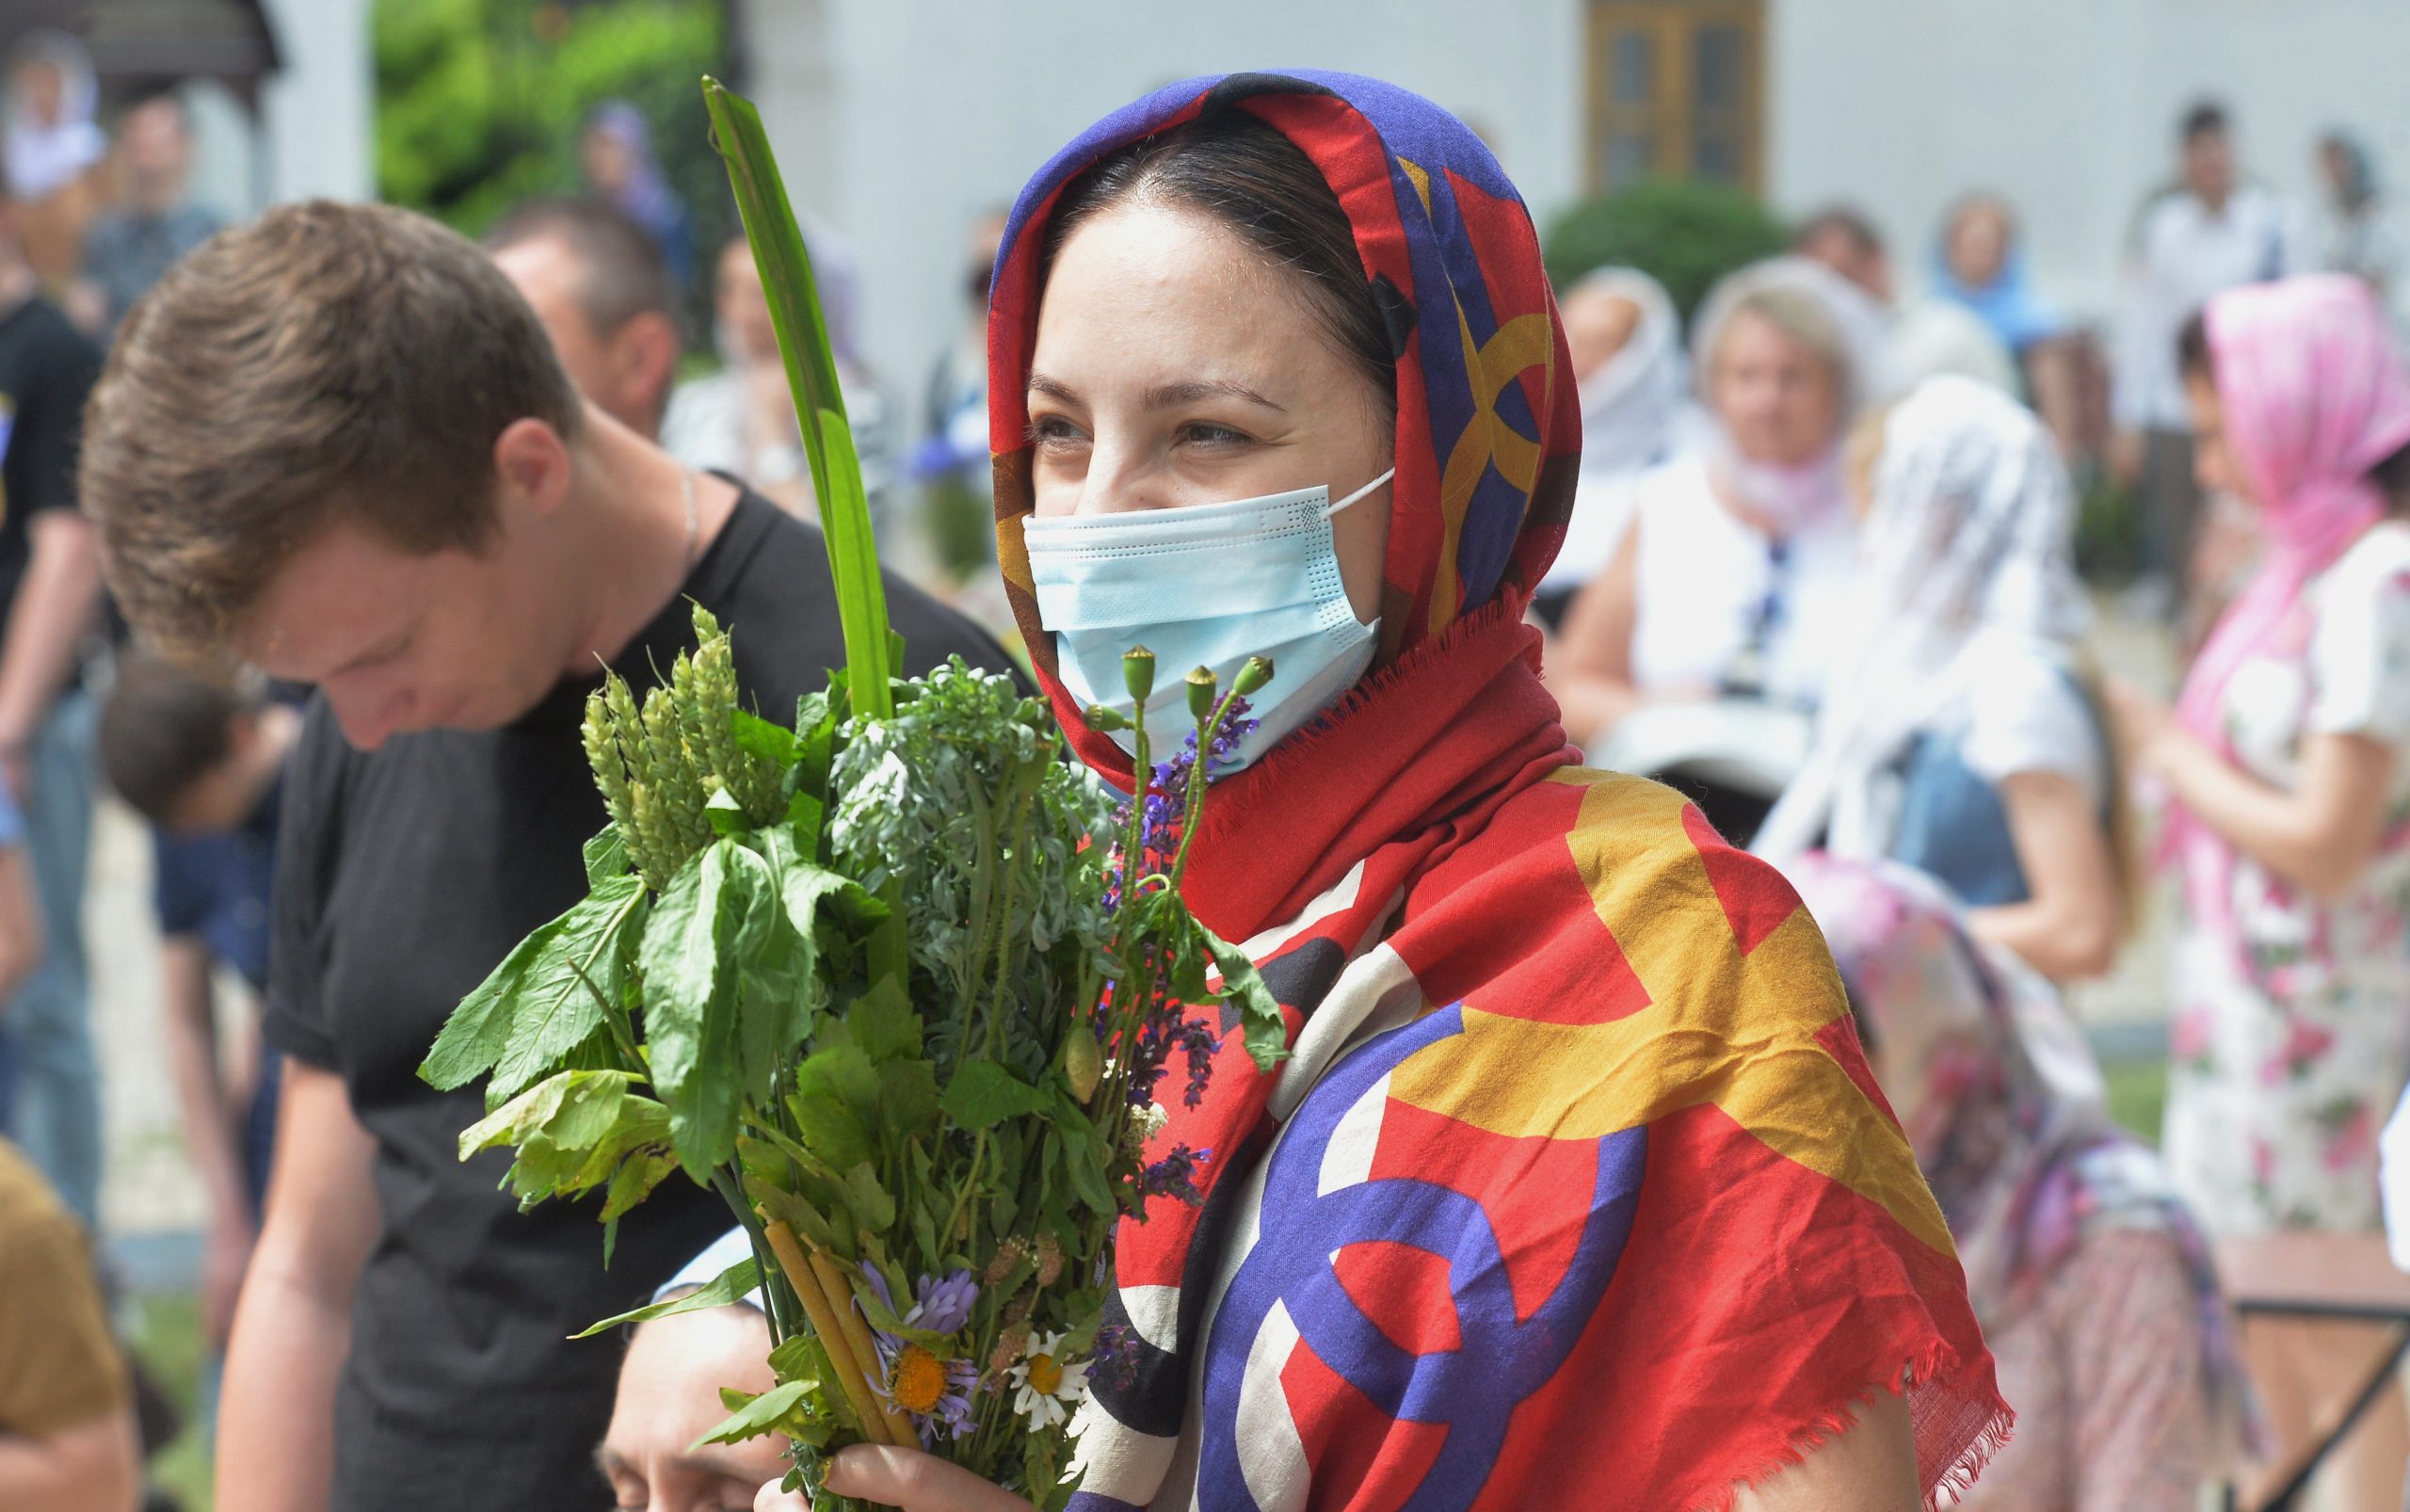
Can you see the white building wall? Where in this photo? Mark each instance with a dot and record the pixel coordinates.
(896, 123)
(319, 112)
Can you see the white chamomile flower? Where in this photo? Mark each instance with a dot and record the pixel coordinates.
(1048, 1388)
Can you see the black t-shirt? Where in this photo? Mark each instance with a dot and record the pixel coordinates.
(403, 876)
(47, 370)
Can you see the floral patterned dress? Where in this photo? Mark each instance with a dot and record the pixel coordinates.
(2291, 1035)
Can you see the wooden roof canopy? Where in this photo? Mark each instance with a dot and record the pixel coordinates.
(140, 45)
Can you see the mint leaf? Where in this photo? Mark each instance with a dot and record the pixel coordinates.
(768, 741)
(730, 1285)
(478, 1031)
(754, 1416)
(680, 957)
(606, 856)
(572, 983)
(984, 1094)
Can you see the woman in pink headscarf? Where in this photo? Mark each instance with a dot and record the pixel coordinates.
(2290, 815)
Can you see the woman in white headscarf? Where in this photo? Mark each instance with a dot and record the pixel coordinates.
(1625, 342)
(1732, 579)
(1958, 733)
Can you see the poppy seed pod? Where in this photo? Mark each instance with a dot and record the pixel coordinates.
(1138, 673)
(1203, 686)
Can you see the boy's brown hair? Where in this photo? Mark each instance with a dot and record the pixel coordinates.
(162, 730)
(326, 359)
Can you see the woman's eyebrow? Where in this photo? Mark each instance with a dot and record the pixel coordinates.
(1054, 389)
(1166, 395)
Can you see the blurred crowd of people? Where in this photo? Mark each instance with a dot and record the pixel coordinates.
(1820, 574)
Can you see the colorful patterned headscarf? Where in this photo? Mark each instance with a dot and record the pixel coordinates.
(1488, 431)
(2313, 396)
(1572, 1131)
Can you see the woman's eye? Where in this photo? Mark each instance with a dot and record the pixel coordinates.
(1205, 433)
(1052, 430)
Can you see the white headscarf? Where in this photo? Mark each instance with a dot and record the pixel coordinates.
(1629, 404)
(1967, 547)
(1795, 495)
(45, 156)
(1631, 407)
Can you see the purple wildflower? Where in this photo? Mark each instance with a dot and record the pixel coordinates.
(934, 1391)
(1175, 1175)
(1114, 1360)
(944, 1304)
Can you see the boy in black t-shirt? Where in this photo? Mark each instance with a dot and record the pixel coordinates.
(49, 603)
(336, 444)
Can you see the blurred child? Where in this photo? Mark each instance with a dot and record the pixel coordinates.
(67, 1431)
(202, 764)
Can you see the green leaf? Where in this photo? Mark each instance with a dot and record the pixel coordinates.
(1083, 1157)
(689, 1018)
(725, 814)
(634, 1181)
(873, 1210)
(606, 856)
(984, 1093)
(572, 983)
(477, 1033)
(779, 251)
(729, 1286)
(883, 1023)
(771, 742)
(753, 1416)
(1266, 1031)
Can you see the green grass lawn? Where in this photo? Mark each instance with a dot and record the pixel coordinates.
(2137, 1095)
(167, 1335)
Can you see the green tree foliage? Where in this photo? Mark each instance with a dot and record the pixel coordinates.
(1684, 233)
(478, 102)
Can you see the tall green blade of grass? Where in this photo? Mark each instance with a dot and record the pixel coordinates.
(872, 649)
(811, 371)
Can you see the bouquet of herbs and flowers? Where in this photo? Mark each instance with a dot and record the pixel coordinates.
(897, 980)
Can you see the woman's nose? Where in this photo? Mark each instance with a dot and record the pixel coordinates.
(1121, 480)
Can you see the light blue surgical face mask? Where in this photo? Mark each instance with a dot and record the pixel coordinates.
(1207, 586)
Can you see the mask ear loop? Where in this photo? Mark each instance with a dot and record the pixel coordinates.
(1359, 494)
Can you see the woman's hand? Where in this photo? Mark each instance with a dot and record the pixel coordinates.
(2140, 722)
(905, 1478)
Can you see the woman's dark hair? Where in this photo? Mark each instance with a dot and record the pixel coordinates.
(1238, 169)
(2391, 474)
(2192, 349)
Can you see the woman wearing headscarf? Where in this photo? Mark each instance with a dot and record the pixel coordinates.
(2289, 814)
(615, 153)
(2092, 1281)
(53, 149)
(1958, 733)
(1633, 380)
(2356, 234)
(1733, 577)
(1569, 1191)
(1980, 264)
